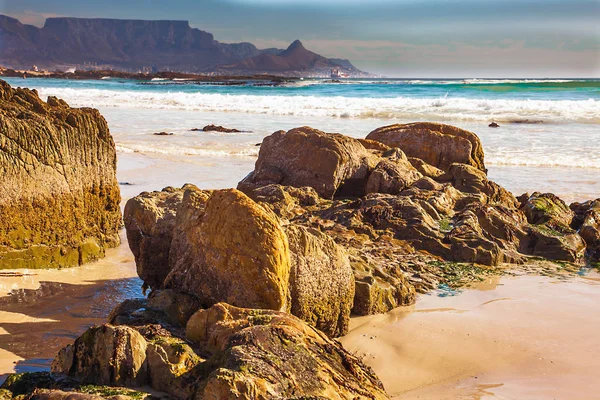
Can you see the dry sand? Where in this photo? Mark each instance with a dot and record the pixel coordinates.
(524, 337)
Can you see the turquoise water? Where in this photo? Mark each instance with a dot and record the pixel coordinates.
(360, 88)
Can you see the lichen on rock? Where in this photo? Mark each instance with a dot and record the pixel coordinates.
(60, 197)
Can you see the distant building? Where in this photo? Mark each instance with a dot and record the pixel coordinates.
(336, 73)
(34, 68)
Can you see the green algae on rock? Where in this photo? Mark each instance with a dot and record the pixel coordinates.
(59, 204)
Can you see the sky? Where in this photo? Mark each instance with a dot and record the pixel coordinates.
(397, 38)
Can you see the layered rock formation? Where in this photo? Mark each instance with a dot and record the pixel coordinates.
(60, 197)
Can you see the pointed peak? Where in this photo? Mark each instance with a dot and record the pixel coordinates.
(296, 44)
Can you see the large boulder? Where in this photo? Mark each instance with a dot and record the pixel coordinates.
(328, 162)
(246, 354)
(437, 144)
(105, 355)
(226, 247)
(222, 246)
(321, 280)
(59, 203)
(150, 219)
(268, 354)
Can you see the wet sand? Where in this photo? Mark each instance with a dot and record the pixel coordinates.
(524, 337)
(45, 310)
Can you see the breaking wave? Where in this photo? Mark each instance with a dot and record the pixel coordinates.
(446, 108)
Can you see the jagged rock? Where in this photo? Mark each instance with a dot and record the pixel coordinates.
(321, 280)
(379, 288)
(105, 355)
(217, 128)
(178, 307)
(437, 144)
(163, 133)
(149, 219)
(425, 169)
(285, 201)
(226, 247)
(171, 362)
(269, 354)
(551, 235)
(332, 164)
(60, 198)
(553, 244)
(392, 175)
(587, 221)
(548, 209)
(248, 353)
(488, 235)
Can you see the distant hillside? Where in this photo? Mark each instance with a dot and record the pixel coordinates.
(137, 44)
(295, 58)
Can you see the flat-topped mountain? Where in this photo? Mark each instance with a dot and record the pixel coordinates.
(151, 45)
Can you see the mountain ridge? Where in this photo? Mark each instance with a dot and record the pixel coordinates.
(131, 44)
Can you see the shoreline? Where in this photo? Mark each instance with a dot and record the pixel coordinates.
(146, 77)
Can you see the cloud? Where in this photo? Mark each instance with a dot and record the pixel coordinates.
(506, 58)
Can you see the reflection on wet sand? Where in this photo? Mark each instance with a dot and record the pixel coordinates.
(43, 310)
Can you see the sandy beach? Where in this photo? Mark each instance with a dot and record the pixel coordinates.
(506, 338)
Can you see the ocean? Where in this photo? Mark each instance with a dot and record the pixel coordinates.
(548, 139)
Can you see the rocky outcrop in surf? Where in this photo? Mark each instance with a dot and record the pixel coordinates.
(59, 204)
(326, 225)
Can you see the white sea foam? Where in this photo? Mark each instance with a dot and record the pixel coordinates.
(445, 108)
(161, 148)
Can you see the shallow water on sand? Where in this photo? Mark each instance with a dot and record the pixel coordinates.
(523, 337)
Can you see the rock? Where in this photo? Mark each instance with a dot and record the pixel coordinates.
(321, 280)
(150, 219)
(216, 128)
(494, 125)
(437, 144)
(269, 354)
(330, 163)
(546, 208)
(587, 222)
(487, 235)
(105, 355)
(392, 175)
(171, 362)
(285, 201)
(226, 247)
(60, 197)
(379, 288)
(425, 169)
(163, 133)
(553, 244)
(177, 307)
